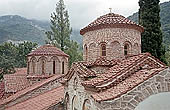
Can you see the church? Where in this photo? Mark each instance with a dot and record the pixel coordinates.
(114, 74)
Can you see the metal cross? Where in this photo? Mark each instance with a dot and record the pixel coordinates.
(110, 10)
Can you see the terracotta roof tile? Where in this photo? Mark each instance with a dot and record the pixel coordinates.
(2, 89)
(42, 101)
(17, 81)
(111, 20)
(126, 85)
(48, 50)
(28, 89)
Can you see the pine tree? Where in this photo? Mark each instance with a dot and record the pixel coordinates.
(60, 27)
(152, 36)
(60, 33)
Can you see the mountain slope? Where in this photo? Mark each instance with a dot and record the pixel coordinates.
(165, 21)
(16, 28)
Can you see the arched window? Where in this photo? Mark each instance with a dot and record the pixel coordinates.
(33, 65)
(87, 105)
(85, 52)
(75, 103)
(126, 49)
(54, 67)
(66, 101)
(75, 83)
(103, 49)
(63, 67)
(43, 65)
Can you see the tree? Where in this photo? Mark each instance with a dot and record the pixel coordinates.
(152, 36)
(14, 56)
(60, 27)
(61, 31)
(23, 49)
(74, 53)
(7, 54)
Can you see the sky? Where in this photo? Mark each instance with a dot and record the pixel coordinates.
(81, 12)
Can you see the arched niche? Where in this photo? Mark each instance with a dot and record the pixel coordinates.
(116, 49)
(92, 50)
(159, 101)
(85, 52)
(66, 101)
(75, 103)
(136, 49)
(87, 105)
(33, 64)
(42, 64)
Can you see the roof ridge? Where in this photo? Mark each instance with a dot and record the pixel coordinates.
(30, 88)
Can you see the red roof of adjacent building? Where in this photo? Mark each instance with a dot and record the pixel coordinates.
(111, 20)
(29, 89)
(47, 50)
(42, 101)
(2, 89)
(17, 81)
(121, 77)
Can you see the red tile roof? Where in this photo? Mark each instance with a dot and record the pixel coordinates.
(111, 20)
(126, 85)
(47, 50)
(102, 61)
(17, 81)
(2, 89)
(28, 89)
(121, 77)
(42, 101)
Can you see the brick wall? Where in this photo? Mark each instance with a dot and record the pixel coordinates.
(115, 39)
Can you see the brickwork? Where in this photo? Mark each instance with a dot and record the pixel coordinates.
(36, 61)
(115, 40)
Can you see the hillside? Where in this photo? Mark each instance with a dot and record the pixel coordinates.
(16, 28)
(165, 21)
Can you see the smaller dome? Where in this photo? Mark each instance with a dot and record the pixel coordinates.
(111, 20)
(47, 50)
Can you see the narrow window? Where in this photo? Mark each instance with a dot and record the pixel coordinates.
(86, 52)
(62, 67)
(125, 49)
(103, 49)
(53, 67)
(33, 66)
(43, 66)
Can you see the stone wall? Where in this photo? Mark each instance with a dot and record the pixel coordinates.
(115, 39)
(78, 95)
(158, 84)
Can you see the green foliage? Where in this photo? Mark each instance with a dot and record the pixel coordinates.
(165, 21)
(60, 33)
(14, 56)
(60, 27)
(23, 49)
(74, 53)
(152, 37)
(7, 54)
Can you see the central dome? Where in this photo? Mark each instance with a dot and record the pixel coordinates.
(111, 20)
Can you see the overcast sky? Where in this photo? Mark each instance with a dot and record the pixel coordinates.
(81, 12)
